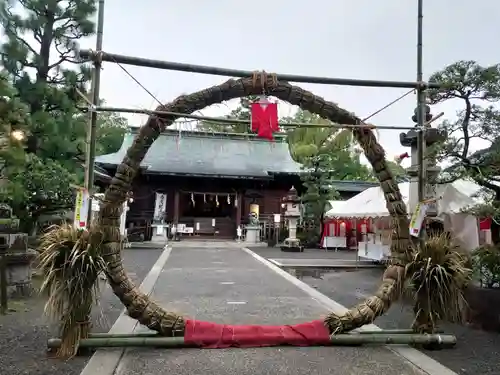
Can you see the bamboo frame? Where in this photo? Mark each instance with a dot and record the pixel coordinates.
(372, 149)
(92, 130)
(349, 339)
(218, 71)
(396, 331)
(238, 121)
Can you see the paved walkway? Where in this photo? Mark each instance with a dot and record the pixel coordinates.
(226, 284)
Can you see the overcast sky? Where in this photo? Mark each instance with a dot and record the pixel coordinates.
(336, 38)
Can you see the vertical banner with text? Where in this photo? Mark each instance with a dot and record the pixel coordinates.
(160, 207)
(81, 209)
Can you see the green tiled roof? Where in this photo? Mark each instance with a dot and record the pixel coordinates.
(210, 154)
(352, 186)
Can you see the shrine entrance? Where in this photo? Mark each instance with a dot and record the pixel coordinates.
(208, 214)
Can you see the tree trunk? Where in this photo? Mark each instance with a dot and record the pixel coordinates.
(153, 316)
(495, 225)
(321, 226)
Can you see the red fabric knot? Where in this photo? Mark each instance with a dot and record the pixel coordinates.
(211, 335)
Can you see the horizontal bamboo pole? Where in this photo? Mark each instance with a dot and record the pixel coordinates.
(239, 121)
(154, 334)
(218, 71)
(335, 340)
(121, 335)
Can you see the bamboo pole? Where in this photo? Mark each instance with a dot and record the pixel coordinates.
(4, 300)
(421, 139)
(218, 71)
(239, 121)
(335, 340)
(92, 132)
(154, 334)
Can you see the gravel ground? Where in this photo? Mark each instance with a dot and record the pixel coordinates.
(477, 352)
(24, 332)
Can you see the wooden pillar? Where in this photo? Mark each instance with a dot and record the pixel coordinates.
(176, 207)
(239, 207)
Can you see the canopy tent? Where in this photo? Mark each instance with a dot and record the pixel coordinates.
(371, 203)
(334, 206)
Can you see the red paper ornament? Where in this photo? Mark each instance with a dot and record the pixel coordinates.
(264, 119)
(399, 159)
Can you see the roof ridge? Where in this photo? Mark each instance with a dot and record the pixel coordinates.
(215, 135)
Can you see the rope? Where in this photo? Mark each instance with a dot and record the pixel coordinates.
(388, 105)
(136, 81)
(373, 127)
(262, 78)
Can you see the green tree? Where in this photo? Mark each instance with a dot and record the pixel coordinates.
(477, 88)
(46, 188)
(334, 144)
(14, 122)
(242, 112)
(41, 43)
(111, 129)
(398, 171)
(326, 154)
(39, 46)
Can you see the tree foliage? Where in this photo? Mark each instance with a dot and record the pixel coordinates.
(477, 89)
(326, 154)
(38, 55)
(242, 112)
(14, 117)
(46, 187)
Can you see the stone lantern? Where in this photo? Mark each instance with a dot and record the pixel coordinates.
(410, 139)
(292, 215)
(15, 258)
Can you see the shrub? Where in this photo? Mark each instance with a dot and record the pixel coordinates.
(486, 265)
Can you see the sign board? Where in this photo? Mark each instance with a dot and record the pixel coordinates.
(417, 219)
(81, 209)
(160, 206)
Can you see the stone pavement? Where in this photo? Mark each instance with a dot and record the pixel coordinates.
(226, 284)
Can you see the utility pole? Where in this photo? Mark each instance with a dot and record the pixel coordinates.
(421, 109)
(92, 131)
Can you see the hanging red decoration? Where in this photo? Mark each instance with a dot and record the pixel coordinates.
(399, 159)
(265, 119)
(485, 223)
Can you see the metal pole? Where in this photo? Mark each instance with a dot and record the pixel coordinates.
(93, 115)
(218, 71)
(420, 112)
(4, 303)
(239, 121)
(3, 285)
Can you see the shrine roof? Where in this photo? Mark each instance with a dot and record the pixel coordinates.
(352, 186)
(210, 154)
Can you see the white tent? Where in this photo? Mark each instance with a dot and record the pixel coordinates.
(334, 206)
(371, 203)
(452, 199)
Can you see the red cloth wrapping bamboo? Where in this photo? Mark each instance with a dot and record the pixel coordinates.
(211, 335)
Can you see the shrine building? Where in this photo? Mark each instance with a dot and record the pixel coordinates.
(210, 181)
